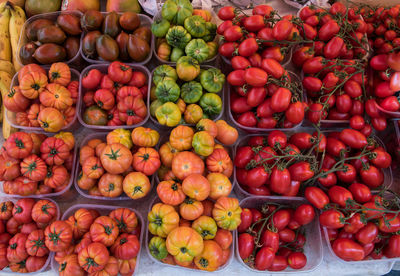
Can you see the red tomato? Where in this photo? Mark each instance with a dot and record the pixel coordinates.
(254, 23)
(353, 138)
(264, 258)
(272, 67)
(223, 26)
(265, 35)
(246, 245)
(354, 224)
(119, 72)
(301, 171)
(306, 12)
(280, 180)
(382, 90)
(256, 96)
(313, 65)
(227, 49)
(353, 89)
(282, 29)
(255, 60)
(394, 223)
(390, 103)
(393, 60)
(280, 263)
(297, 260)
(246, 220)
(277, 139)
(247, 119)
(257, 215)
(302, 140)
(263, 191)
(257, 177)
(328, 30)
(287, 235)
(270, 239)
(348, 250)
(339, 195)
(239, 62)
(360, 192)
(240, 105)
(295, 113)
(264, 109)
(304, 214)
(255, 76)
(263, 10)
(372, 176)
(367, 234)
(301, 55)
(281, 219)
(310, 32)
(395, 81)
(348, 173)
(233, 33)
(327, 180)
(343, 103)
(371, 108)
(333, 48)
(91, 80)
(236, 78)
(335, 147)
(379, 123)
(380, 158)
(332, 219)
(248, 47)
(392, 249)
(316, 197)
(280, 100)
(226, 13)
(357, 122)
(313, 85)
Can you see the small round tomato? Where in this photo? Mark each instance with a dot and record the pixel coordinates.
(304, 214)
(332, 219)
(297, 260)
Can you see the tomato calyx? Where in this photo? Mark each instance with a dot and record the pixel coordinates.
(45, 208)
(113, 155)
(13, 246)
(19, 143)
(108, 230)
(136, 190)
(90, 263)
(203, 262)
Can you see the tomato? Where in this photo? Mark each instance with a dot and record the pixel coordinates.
(282, 29)
(357, 122)
(23, 209)
(248, 47)
(237, 77)
(395, 81)
(255, 96)
(211, 257)
(226, 13)
(390, 103)
(264, 110)
(379, 123)
(304, 214)
(125, 218)
(104, 230)
(328, 30)
(391, 250)
(333, 48)
(44, 211)
(233, 33)
(367, 234)
(280, 263)
(280, 100)
(35, 245)
(19, 145)
(223, 26)
(240, 63)
(257, 177)
(264, 10)
(223, 238)
(392, 60)
(297, 260)
(125, 247)
(309, 31)
(255, 76)
(243, 156)
(372, 176)
(327, 180)
(360, 192)
(184, 243)
(380, 158)
(16, 251)
(339, 195)
(270, 239)
(247, 119)
(91, 79)
(246, 245)
(280, 180)
(316, 113)
(264, 258)
(301, 171)
(348, 250)
(227, 49)
(94, 257)
(354, 224)
(332, 219)
(281, 219)
(120, 72)
(295, 112)
(58, 236)
(316, 197)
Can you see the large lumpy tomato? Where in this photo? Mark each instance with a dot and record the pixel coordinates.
(211, 257)
(186, 163)
(104, 230)
(58, 236)
(126, 247)
(136, 185)
(19, 145)
(184, 243)
(94, 257)
(146, 160)
(70, 266)
(116, 158)
(125, 218)
(162, 219)
(80, 222)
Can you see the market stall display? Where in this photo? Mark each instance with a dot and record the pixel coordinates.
(263, 149)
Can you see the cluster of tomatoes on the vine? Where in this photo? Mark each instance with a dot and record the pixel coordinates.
(272, 237)
(23, 226)
(33, 163)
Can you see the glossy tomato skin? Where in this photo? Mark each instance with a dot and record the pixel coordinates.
(332, 219)
(348, 250)
(316, 197)
(247, 119)
(243, 156)
(280, 263)
(297, 260)
(246, 220)
(270, 239)
(280, 180)
(367, 234)
(246, 245)
(304, 214)
(360, 192)
(339, 195)
(355, 223)
(226, 13)
(392, 249)
(264, 258)
(257, 177)
(281, 219)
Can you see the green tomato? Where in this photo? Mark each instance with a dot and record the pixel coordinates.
(203, 143)
(187, 68)
(191, 92)
(158, 248)
(164, 72)
(198, 49)
(211, 32)
(211, 103)
(177, 36)
(168, 91)
(177, 10)
(195, 25)
(212, 80)
(176, 54)
(153, 107)
(212, 49)
(160, 27)
(168, 114)
(205, 116)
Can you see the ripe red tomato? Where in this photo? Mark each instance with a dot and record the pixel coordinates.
(301, 55)
(328, 30)
(236, 78)
(360, 192)
(239, 62)
(91, 80)
(353, 138)
(354, 224)
(263, 10)
(392, 249)
(233, 33)
(257, 177)
(226, 13)
(313, 65)
(280, 100)
(264, 258)
(372, 176)
(254, 23)
(272, 67)
(339, 195)
(295, 113)
(332, 219)
(347, 174)
(333, 48)
(255, 76)
(357, 122)
(246, 245)
(227, 49)
(316, 112)
(316, 197)
(280, 263)
(256, 96)
(281, 219)
(327, 180)
(246, 220)
(239, 105)
(297, 260)
(270, 239)
(367, 234)
(380, 158)
(264, 109)
(282, 29)
(390, 103)
(243, 156)
(248, 47)
(247, 119)
(280, 180)
(301, 171)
